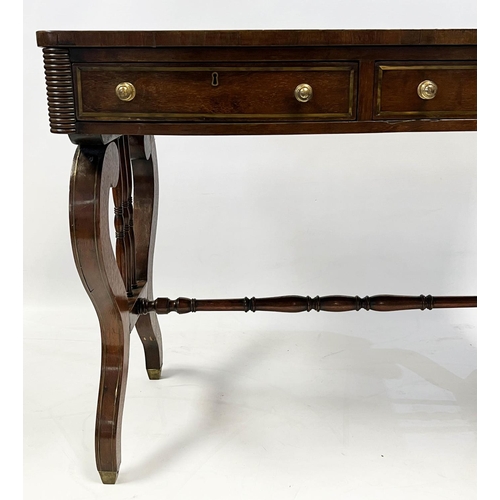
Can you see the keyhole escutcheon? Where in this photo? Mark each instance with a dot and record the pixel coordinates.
(215, 79)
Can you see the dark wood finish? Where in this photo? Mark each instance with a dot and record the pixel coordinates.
(95, 171)
(60, 95)
(221, 83)
(253, 38)
(257, 74)
(254, 54)
(108, 280)
(260, 128)
(145, 176)
(396, 96)
(298, 303)
(122, 219)
(242, 92)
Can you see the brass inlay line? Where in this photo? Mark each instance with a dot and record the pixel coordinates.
(125, 116)
(111, 67)
(428, 66)
(430, 114)
(351, 92)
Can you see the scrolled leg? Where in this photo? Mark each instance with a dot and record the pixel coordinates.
(145, 181)
(95, 171)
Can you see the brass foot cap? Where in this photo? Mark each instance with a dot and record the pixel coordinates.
(108, 477)
(154, 373)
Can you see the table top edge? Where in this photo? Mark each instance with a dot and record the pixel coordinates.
(252, 38)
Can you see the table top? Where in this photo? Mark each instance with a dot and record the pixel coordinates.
(241, 38)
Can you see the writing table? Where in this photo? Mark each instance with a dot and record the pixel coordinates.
(111, 92)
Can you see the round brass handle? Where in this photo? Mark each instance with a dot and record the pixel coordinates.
(427, 90)
(303, 92)
(125, 91)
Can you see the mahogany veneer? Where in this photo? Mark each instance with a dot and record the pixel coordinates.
(112, 91)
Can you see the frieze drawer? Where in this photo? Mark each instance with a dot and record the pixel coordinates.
(215, 93)
(425, 90)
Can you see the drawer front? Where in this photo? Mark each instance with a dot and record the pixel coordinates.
(425, 90)
(216, 93)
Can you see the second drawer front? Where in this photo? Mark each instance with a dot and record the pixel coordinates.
(397, 90)
(211, 93)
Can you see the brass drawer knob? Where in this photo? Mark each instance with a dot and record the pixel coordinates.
(303, 92)
(427, 90)
(125, 91)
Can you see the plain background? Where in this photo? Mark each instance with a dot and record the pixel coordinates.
(361, 214)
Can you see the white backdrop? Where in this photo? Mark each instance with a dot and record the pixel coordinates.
(346, 214)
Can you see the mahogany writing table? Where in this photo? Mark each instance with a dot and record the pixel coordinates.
(111, 92)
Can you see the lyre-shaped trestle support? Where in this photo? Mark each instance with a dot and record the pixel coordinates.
(127, 166)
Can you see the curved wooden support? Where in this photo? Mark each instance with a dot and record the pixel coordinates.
(297, 303)
(95, 171)
(145, 181)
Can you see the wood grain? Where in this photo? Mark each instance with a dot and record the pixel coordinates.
(95, 171)
(298, 303)
(60, 96)
(169, 93)
(145, 179)
(257, 74)
(241, 38)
